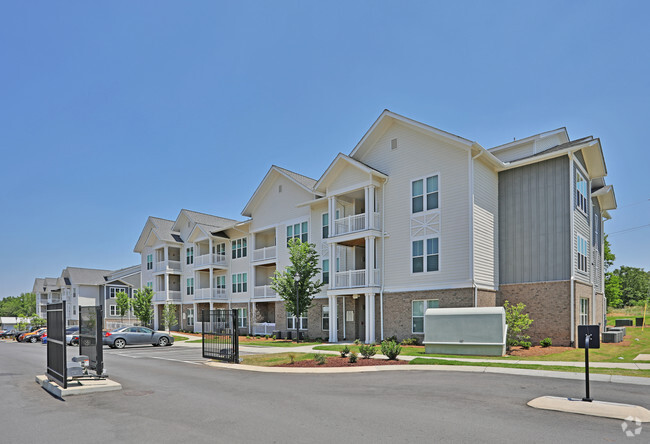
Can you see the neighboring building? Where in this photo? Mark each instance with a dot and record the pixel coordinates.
(413, 218)
(84, 287)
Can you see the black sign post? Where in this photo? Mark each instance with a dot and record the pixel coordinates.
(588, 337)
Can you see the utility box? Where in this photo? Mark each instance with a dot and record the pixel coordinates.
(465, 331)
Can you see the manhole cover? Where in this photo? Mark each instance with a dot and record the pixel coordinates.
(138, 392)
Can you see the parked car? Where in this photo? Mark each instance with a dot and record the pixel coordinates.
(20, 334)
(32, 337)
(44, 338)
(75, 339)
(8, 333)
(70, 332)
(136, 335)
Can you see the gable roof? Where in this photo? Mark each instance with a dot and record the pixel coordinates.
(162, 229)
(203, 219)
(562, 131)
(39, 285)
(304, 182)
(340, 159)
(87, 276)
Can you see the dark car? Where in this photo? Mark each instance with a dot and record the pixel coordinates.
(136, 336)
(9, 333)
(19, 335)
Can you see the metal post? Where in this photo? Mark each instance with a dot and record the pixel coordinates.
(297, 314)
(587, 398)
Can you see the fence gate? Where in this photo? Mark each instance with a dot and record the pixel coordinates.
(220, 340)
(90, 337)
(56, 350)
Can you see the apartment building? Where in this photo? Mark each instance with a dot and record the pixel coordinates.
(85, 287)
(413, 218)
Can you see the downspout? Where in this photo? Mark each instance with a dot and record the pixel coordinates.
(383, 258)
(571, 205)
(471, 223)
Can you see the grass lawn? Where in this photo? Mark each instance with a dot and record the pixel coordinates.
(179, 338)
(275, 359)
(557, 368)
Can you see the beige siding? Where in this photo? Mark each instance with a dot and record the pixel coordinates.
(486, 209)
(275, 207)
(516, 152)
(349, 177)
(418, 155)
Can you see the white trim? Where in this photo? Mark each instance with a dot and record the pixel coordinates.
(534, 137)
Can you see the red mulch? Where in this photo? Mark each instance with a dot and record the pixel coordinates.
(337, 361)
(537, 351)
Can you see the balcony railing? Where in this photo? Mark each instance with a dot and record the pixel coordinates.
(354, 278)
(263, 291)
(357, 222)
(263, 328)
(202, 294)
(167, 265)
(161, 296)
(210, 259)
(262, 254)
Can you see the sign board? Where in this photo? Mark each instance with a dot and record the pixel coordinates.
(56, 345)
(91, 337)
(594, 331)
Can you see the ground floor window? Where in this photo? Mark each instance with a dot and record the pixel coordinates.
(242, 317)
(419, 307)
(113, 310)
(291, 321)
(325, 318)
(190, 316)
(584, 311)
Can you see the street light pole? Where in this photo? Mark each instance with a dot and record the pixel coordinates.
(296, 279)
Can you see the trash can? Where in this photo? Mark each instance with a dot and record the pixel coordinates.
(639, 322)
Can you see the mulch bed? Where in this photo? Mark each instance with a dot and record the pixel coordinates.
(537, 351)
(337, 361)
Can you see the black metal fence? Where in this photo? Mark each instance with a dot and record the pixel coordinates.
(90, 337)
(56, 344)
(220, 340)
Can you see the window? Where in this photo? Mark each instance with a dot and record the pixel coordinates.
(291, 321)
(220, 282)
(189, 260)
(298, 231)
(424, 194)
(581, 193)
(584, 311)
(325, 318)
(150, 262)
(239, 248)
(326, 225)
(242, 317)
(74, 292)
(431, 254)
(582, 247)
(419, 307)
(220, 249)
(74, 309)
(150, 285)
(240, 283)
(190, 286)
(326, 271)
(113, 291)
(113, 310)
(190, 316)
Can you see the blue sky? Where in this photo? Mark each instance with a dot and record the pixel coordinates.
(114, 111)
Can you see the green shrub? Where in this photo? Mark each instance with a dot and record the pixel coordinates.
(390, 349)
(345, 351)
(367, 350)
(518, 322)
(273, 337)
(266, 336)
(319, 358)
(525, 344)
(411, 341)
(392, 338)
(357, 342)
(248, 336)
(546, 342)
(353, 358)
(292, 358)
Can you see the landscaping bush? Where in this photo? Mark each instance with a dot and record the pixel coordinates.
(411, 341)
(392, 338)
(367, 350)
(357, 342)
(345, 351)
(292, 358)
(546, 342)
(390, 349)
(518, 323)
(273, 337)
(319, 358)
(525, 344)
(353, 358)
(266, 337)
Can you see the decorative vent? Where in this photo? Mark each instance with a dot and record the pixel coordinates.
(393, 144)
(279, 188)
(425, 225)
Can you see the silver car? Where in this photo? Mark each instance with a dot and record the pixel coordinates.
(136, 336)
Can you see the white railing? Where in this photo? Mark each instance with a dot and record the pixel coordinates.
(210, 259)
(160, 296)
(263, 291)
(175, 295)
(204, 293)
(350, 224)
(262, 254)
(167, 265)
(355, 278)
(263, 328)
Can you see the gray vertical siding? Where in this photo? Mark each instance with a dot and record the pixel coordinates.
(581, 223)
(535, 223)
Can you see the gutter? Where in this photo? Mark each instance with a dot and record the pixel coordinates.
(383, 260)
(471, 223)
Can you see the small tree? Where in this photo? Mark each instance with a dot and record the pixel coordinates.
(518, 322)
(38, 321)
(169, 316)
(298, 295)
(123, 304)
(142, 305)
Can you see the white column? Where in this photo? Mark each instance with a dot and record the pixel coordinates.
(371, 316)
(196, 315)
(368, 240)
(331, 205)
(366, 204)
(166, 286)
(210, 248)
(370, 206)
(366, 323)
(333, 319)
(211, 279)
(166, 253)
(155, 317)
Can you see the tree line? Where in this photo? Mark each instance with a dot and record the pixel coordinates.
(624, 286)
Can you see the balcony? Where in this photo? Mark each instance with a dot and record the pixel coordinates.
(263, 291)
(216, 259)
(357, 222)
(167, 266)
(161, 296)
(354, 279)
(203, 294)
(263, 254)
